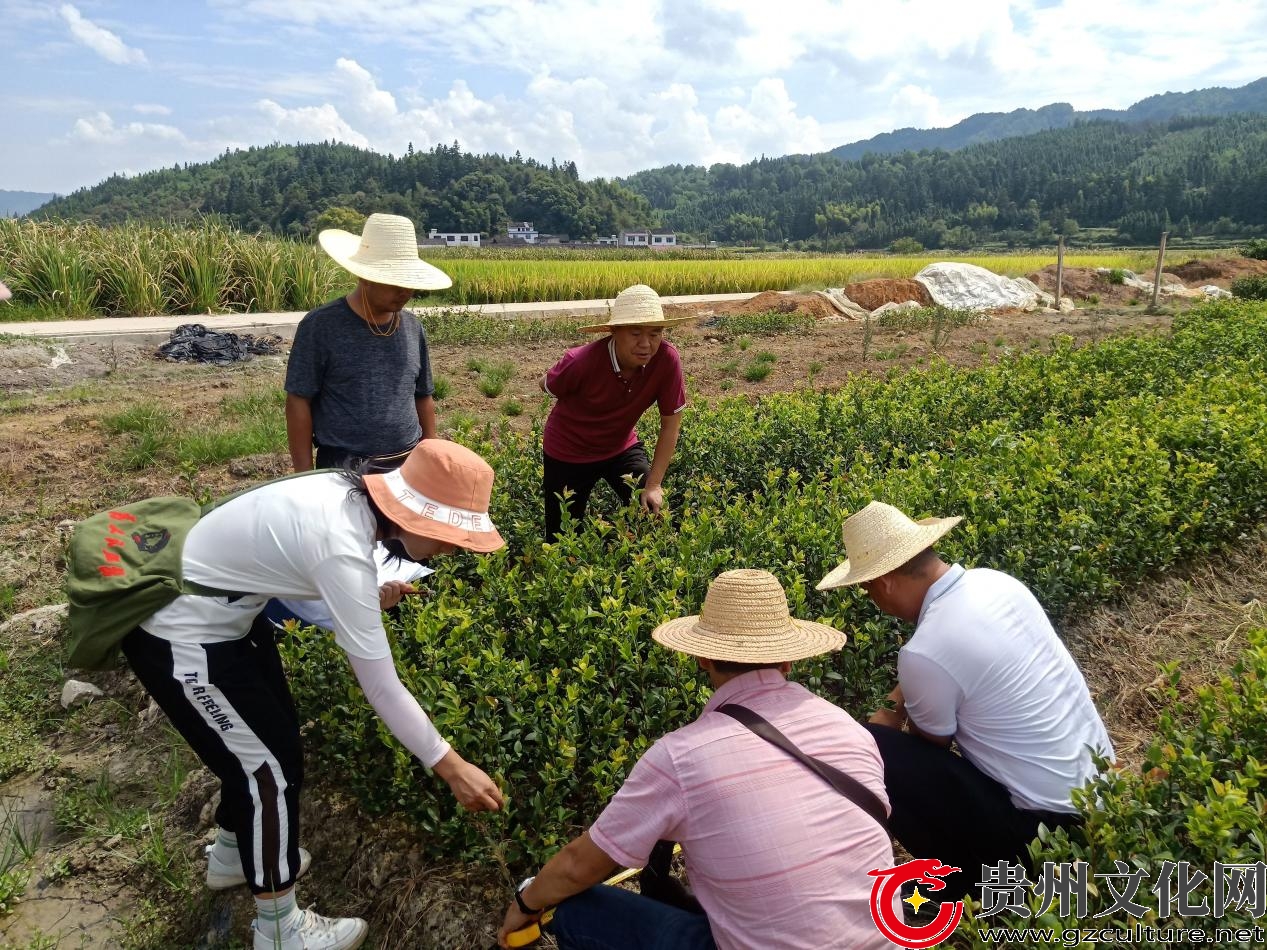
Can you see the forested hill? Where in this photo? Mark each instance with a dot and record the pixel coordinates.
(286, 189)
(1194, 175)
(992, 126)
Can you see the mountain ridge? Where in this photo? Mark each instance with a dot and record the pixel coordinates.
(21, 202)
(983, 127)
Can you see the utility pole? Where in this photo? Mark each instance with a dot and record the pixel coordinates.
(1060, 269)
(1161, 257)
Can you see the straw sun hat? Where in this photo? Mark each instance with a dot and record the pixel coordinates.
(636, 306)
(879, 539)
(441, 492)
(385, 252)
(745, 620)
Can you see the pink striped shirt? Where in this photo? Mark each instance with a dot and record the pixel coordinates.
(777, 857)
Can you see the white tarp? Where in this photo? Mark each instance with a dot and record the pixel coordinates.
(968, 287)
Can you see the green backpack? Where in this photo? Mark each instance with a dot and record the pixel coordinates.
(124, 564)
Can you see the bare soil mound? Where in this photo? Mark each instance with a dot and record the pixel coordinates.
(771, 301)
(1219, 271)
(1086, 283)
(870, 294)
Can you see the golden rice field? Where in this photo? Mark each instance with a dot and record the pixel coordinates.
(60, 270)
(501, 281)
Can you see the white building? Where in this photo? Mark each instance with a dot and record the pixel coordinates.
(656, 240)
(459, 238)
(522, 231)
(608, 239)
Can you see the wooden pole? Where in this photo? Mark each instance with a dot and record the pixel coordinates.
(1161, 257)
(1060, 269)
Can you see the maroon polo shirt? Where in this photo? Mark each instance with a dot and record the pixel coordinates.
(595, 410)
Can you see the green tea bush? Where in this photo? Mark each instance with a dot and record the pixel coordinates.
(1250, 288)
(1079, 473)
(1197, 797)
(1257, 249)
(902, 415)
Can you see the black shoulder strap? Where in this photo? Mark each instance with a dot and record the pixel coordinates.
(848, 786)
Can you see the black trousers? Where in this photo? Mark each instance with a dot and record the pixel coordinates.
(330, 457)
(581, 477)
(944, 807)
(231, 702)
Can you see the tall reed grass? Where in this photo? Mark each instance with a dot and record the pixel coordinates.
(63, 269)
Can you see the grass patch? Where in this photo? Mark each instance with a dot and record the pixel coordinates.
(512, 407)
(30, 668)
(492, 376)
(892, 352)
(460, 327)
(441, 388)
(767, 323)
(249, 424)
(760, 367)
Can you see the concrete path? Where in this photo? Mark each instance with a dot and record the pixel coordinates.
(158, 329)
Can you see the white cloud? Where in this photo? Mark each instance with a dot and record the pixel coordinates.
(99, 128)
(918, 108)
(613, 85)
(308, 123)
(607, 130)
(101, 41)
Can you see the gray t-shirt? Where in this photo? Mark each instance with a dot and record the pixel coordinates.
(362, 386)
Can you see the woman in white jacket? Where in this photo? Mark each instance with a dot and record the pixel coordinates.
(211, 663)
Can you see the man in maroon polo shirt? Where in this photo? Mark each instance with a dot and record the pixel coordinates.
(602, 389)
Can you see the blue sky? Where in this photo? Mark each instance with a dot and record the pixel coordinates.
(95, 87)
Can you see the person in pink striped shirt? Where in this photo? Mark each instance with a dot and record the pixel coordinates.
(775, 855)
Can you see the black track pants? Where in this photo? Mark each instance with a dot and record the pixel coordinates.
(231, 702)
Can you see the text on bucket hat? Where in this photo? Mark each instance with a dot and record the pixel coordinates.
(879, 539)
(636, 306)
(745, 619)
(441, 492)
(385, 252)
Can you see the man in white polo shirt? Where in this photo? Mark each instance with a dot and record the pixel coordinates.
(985, 670)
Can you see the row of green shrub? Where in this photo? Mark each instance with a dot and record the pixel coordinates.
(906, 413)
(537, 661)
(1199, 797)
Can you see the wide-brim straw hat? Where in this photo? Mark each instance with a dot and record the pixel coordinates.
(879, 539)
(441, 492)
(385, 252)
(745, 619)
(636, 306)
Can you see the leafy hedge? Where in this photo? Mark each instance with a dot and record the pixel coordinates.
(1198, 797)
(1078, 473)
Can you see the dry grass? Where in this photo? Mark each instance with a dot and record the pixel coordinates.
(1197, 617)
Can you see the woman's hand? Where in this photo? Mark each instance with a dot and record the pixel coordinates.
(391, 593)
(470, 785)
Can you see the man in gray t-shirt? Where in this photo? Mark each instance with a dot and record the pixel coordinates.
(358, 383)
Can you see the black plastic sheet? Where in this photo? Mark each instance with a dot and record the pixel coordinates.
(194, 343)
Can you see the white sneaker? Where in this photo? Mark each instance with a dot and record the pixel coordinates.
(310, 931)
(221, 875)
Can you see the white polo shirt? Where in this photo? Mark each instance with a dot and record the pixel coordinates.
(985, 666)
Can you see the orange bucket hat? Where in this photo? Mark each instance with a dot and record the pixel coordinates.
(442, 492)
